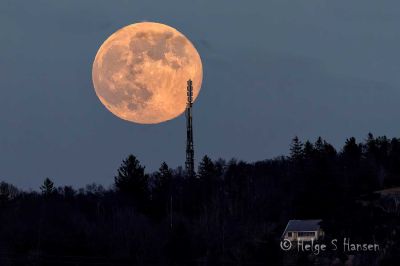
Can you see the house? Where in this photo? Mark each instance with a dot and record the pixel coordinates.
(389, 200)
(303, 230)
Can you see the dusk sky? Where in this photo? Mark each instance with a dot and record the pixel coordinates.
(272, 70)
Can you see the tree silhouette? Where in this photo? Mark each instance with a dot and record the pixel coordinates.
(162, 190)
(48, 187)
(7, 192)
(319, 145)
(131, 180)
(351, 150)
(207, 168)
(308, 150)
(393, 178)
(207, 173)
(163, 176)
(296, 149)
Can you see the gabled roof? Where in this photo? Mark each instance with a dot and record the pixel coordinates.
(302, 226)
(389, 191)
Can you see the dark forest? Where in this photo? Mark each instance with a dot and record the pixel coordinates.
(232, 213)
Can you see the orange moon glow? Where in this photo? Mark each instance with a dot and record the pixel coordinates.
(140, 72)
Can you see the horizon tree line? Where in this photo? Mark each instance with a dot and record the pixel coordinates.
(232, 212)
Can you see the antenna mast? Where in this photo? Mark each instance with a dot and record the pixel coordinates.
(189, 164)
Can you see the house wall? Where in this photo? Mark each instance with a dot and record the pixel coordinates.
(297, 237)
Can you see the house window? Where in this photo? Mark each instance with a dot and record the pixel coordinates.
(289, 234)
(306, 234)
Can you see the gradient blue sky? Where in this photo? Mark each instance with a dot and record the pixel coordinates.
(272, 69)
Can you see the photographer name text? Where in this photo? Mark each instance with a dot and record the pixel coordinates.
(345, 245)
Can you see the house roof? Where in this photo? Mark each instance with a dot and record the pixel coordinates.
(302, 226)
(389, 191)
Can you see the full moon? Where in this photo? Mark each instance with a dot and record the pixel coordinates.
(140, 72)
